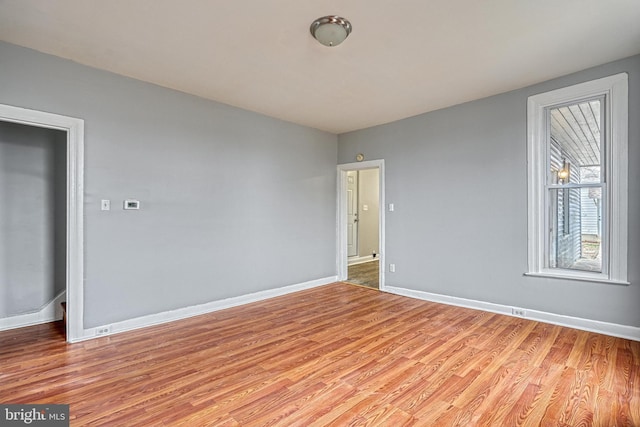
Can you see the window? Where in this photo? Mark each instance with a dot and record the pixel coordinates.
(577, 181)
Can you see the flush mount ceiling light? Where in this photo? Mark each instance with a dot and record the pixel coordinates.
(330, 30)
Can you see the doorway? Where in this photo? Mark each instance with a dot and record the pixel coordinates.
(361, 223)
(69, 132)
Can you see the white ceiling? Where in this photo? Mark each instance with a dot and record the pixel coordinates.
(403, 58)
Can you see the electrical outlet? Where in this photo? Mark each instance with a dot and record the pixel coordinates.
(105, 330)
(392, 268)
(520, 312)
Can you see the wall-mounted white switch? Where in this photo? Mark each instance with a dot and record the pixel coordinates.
(392, 268)
(391, 207)
(365, 207)
(131, 205)
(105, 205)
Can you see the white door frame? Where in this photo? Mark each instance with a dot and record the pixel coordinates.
(341, 220)
(75, 204)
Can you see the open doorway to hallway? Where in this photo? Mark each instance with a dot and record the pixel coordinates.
(41, 213)
(33, 223)
(363, 243)
(361, 227)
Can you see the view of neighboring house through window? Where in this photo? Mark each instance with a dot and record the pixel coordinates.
(575, 185)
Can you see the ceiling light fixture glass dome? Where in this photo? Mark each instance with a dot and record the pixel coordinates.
(330, 30)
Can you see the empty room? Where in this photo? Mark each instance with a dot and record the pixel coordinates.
(285, 213)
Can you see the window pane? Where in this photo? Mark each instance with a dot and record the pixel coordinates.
(576, 228)
(575, 142)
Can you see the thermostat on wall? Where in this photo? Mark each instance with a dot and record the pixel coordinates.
(131, 204)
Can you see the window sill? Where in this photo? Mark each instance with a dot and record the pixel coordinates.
(579, 278)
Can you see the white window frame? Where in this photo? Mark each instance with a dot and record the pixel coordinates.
(615, 91)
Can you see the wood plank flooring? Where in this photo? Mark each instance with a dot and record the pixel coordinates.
(365, 274)
(337, 355)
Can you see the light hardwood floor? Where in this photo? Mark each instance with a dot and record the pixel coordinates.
(338, 355)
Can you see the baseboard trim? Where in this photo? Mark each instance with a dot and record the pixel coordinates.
(612, 329)
(51, 312)
(361, 259)
(196, 310)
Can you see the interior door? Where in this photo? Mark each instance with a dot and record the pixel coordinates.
(352, 213)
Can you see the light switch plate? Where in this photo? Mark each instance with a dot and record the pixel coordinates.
(105, 205)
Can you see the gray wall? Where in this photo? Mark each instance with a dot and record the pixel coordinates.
(368, 194)
(458, 179)
(233, 202)
(32, 217)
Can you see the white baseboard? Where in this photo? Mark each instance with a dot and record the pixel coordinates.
(612, 329)
(196, 310)
(50, 312)
(361, 259)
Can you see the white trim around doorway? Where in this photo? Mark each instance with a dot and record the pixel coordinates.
(341, 217)
(74, 128)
